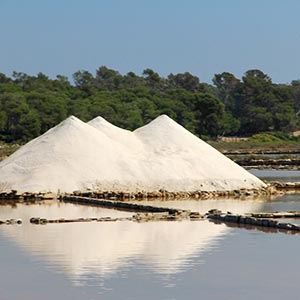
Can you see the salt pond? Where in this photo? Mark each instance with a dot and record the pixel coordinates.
(154, 260)
(277, 175)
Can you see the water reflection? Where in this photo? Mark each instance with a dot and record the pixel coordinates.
(125, 260)
(81, 249)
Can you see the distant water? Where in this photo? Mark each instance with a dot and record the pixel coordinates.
(277, 175)
(152, 260)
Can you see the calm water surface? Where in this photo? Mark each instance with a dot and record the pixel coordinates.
(153, 260)
(277, 175)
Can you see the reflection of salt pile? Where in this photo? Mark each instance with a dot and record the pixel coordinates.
(164, 247)
(161, 155)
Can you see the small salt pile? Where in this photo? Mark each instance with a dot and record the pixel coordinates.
(161, 155)
(125, 137)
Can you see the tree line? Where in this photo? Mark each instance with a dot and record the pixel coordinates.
(30, 105)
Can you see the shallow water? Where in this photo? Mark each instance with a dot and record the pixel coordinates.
(277, 175)
(153, 260)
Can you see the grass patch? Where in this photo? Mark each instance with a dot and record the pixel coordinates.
(262, 142)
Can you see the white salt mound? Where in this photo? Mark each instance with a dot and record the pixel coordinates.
(98, 155)
(73, 155)
(187, 163)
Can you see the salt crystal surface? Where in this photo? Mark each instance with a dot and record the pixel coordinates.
(125, 137)
(98, 155)
(183, 159)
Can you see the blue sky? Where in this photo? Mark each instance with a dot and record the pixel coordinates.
(203, 37)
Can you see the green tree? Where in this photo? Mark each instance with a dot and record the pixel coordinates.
(209, 114)
(227, 88)
(21, 123)
(84, 81)
(284, 118)
(153, 80)
(185, 81)
(107, 78)
(51, 107)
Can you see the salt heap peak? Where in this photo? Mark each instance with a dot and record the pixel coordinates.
(123, 136)
(164, 132)
(107, 127)
(102, 123)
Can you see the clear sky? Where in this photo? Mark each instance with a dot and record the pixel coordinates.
(203, 37)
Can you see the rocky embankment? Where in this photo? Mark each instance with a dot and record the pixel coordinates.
(11, 222)
(166, 195)
(152, 213)
(258, 220)
(273, 188)
(264, 221)
(267, 163)
(27, 197)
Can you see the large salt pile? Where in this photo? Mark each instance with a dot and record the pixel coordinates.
(187, 163)
(71, 156)
(98, 155)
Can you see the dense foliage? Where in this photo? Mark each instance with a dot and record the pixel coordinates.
(30, 105)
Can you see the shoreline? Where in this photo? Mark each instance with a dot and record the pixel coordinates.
(273, 188)
(249, 162)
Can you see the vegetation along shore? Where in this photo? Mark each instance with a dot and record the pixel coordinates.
(30, 105)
